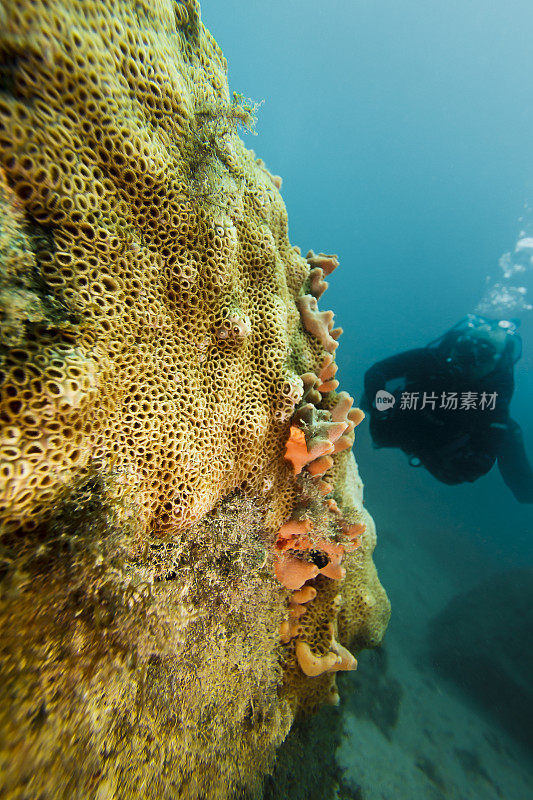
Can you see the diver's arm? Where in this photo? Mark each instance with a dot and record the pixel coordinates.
(388, 369)
(503, 385)
(513, 462)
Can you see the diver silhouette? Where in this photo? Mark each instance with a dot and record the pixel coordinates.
(447, 405)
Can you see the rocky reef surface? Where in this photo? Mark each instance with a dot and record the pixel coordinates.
(184, 556)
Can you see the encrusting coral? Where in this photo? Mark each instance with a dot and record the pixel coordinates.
(184, 554)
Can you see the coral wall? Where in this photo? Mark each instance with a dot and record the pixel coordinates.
(185, 557)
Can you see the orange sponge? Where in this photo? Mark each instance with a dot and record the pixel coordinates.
(325, 262)
(312, 665)
(293, 573)
(321, 465)
(327, 375)
(297, 453)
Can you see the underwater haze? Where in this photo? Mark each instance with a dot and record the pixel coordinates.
(402, 132)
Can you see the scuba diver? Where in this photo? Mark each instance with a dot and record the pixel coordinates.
(447, 405)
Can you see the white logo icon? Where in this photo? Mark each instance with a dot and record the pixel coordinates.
(384, 400)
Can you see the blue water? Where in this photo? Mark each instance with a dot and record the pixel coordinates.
(402, 131)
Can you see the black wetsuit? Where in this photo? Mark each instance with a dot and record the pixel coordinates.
(455, 444)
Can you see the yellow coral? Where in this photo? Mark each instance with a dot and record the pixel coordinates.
(153, 354)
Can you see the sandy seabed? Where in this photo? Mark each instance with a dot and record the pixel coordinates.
(418, 735)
